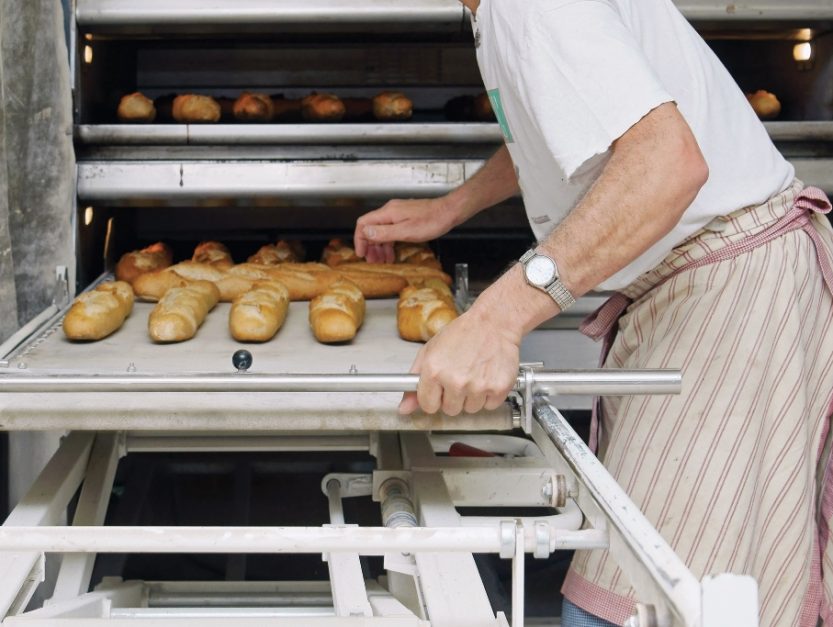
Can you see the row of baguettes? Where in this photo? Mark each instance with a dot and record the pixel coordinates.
(256, 315)
(258, 107)
(159, 256)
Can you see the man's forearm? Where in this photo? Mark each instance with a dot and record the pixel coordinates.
(653, 175)
(493, 183)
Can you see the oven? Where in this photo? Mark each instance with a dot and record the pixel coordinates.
(412, 516)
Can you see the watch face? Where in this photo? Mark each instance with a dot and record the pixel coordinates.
(540, 270)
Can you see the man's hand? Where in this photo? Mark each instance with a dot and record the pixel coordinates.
(401, 221)
(470, 365)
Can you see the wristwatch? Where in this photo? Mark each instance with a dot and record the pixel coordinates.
(541, 272)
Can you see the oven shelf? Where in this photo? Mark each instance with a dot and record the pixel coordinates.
(235, 16)
(310, 16)
(289, 134)
(123, 182)
(354, 134)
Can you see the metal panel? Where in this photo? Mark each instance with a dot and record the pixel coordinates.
(102, 181)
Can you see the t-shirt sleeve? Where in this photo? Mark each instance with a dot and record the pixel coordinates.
(585, 80)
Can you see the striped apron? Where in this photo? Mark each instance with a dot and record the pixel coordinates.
(732, 472)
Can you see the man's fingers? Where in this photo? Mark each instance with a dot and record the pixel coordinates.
(382, 233)
(409, 404)
(379, 253)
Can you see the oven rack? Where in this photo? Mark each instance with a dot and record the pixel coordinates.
(195, 16)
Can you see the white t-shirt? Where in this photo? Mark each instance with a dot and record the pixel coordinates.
(569, 77)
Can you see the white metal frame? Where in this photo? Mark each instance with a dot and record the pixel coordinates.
(428, 546)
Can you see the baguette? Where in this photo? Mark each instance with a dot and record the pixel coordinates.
(98, 313)
(392, 105)
(422, 312)
(150, 259)
(417, 254)
(136, 107)
(274, 254)
(195, 109)
(337, 314)
(409, 271)
(253, 108)
(765, 104)
(230, 285)
(337, 252)
(213, 253)
(322, 108)
(258, 314)
(181, 311)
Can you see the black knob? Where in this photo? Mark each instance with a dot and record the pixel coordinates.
(242, 360)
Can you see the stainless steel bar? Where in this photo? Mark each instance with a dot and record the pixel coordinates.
(593, 382)
(679, 590)
(278, 134)
(296, 540)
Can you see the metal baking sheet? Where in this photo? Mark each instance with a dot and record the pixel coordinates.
(376, 349)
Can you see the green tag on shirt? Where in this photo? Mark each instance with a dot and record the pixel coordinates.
(497, 106)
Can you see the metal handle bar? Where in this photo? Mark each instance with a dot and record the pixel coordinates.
(580, 382)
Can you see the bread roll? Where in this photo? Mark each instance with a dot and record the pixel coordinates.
(322, 108)
(273, 254)
(337, 252)
(253, 108)
(392, 105)
(98, 313)
(195, 109)
(422, 312)
(213, 253)
(286, 109)
(337, 314)
(181, 311)
(230, 285)
(417, 254)
(136, 107)
(153, 285)
(482, 108)
(258, 314)
(150, 259)
(765, 104)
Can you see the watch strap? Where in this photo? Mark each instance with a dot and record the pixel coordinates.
(556, 289)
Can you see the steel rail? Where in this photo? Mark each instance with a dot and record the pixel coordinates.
(578, 382)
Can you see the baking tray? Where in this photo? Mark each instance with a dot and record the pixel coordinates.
(376, 349)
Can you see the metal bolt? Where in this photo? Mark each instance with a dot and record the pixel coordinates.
(131, 367)
(546, 490)
(353, 369)
(22, 365)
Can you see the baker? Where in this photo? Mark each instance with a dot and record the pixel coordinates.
(644, 170)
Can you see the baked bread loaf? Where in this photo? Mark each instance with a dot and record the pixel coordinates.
(337, 314)
(765, 104)
(274, 254)
(136, 107)
(322, 108)
(181, 311)
(195, 109)
(412, 273)
(150, 259)
(213, 253)
(251, 107)
(286, 109)
(96, 314)
(417, 254)
(258, 314)
(482, 108)
(392, 105)
(422, 312)
(337, 252)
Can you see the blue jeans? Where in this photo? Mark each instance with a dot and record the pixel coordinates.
(574, 616)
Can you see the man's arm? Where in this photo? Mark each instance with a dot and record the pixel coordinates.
(654, 173)
(425, 219)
